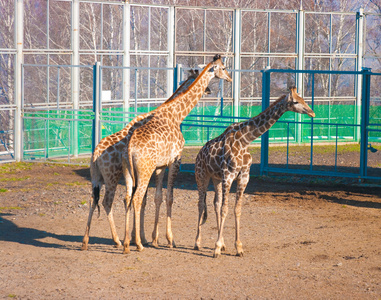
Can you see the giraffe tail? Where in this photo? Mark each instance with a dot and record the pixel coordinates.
(96, 191)
(96, 182)
(205, 215)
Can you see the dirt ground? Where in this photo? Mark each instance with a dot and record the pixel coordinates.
(302, 240)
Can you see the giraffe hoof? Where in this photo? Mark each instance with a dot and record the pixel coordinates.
(140, 248)
(223, 248)
(216, 255)
(197, 247)
(118, 245)
(84, 247)
(172, 245)
(155, 244)
(126, 251)
(240, 254)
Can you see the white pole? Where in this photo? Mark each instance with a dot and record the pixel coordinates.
(18, 70)
(300, 66)
(359, 66)
(75, 70)
(237, 62)
(171, 49)
(126, 56)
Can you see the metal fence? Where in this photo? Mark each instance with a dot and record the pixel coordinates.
(59, 131)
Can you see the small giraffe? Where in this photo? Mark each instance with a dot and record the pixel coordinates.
(158, 144)
(106, 166)
(226, 158)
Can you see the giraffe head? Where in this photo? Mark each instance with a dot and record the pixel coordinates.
(297, 104)
(219, 69)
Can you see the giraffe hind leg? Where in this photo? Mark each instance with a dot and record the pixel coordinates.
(107, 204)
(94, 205)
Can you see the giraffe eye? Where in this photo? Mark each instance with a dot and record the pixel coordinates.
(295, 102)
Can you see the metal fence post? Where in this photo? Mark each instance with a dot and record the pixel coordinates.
(126, 56)
(300, 39)
(75, 74)
(237, 63)
(365, 102)
(96, 106)
(177, 77)
(171, 48)
(359, 63)
(18, 127)
(265, 137)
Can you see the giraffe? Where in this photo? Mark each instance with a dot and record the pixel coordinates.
(106, 166)
(226, 158)
(158, 144)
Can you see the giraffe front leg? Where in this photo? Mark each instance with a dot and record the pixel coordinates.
(137, 202)
(226, 184)
(126, 241)
(127, 207)
(217, 207)
(172, 173)
(242, 182)
(158, 200)
(142, 231)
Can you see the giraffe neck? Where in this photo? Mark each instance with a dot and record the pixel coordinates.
(181, 105)
(258, 125)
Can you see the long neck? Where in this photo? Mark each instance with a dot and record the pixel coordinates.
(258, 125)
(179, 107)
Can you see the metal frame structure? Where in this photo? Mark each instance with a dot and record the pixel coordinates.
(234, 51)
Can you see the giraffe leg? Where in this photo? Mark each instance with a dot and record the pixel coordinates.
(202, 186)
(242, 181)
(217, 206)
(127, 207)
(172, 173)
(226, 184)
(142, 232)
(158, 200)
(137, 202)
(107, 204)
(87, 231)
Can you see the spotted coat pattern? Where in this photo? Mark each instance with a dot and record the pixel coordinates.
(106, 166)
(226, 158)
(158, 144)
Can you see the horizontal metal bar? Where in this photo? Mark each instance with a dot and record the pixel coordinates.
(57, 66)
(316, 72)
(319, 173)
(58, 119)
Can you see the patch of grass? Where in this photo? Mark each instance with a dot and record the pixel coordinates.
(83, 202)
(3, 190)
(55, 173)
(14, 179)
(10, 208)
(52, 183)
(76, 183)
(13, 167)
(12, 296)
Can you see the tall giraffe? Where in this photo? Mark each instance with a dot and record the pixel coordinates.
(158, 144)
(106, 166)
(226, 158)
